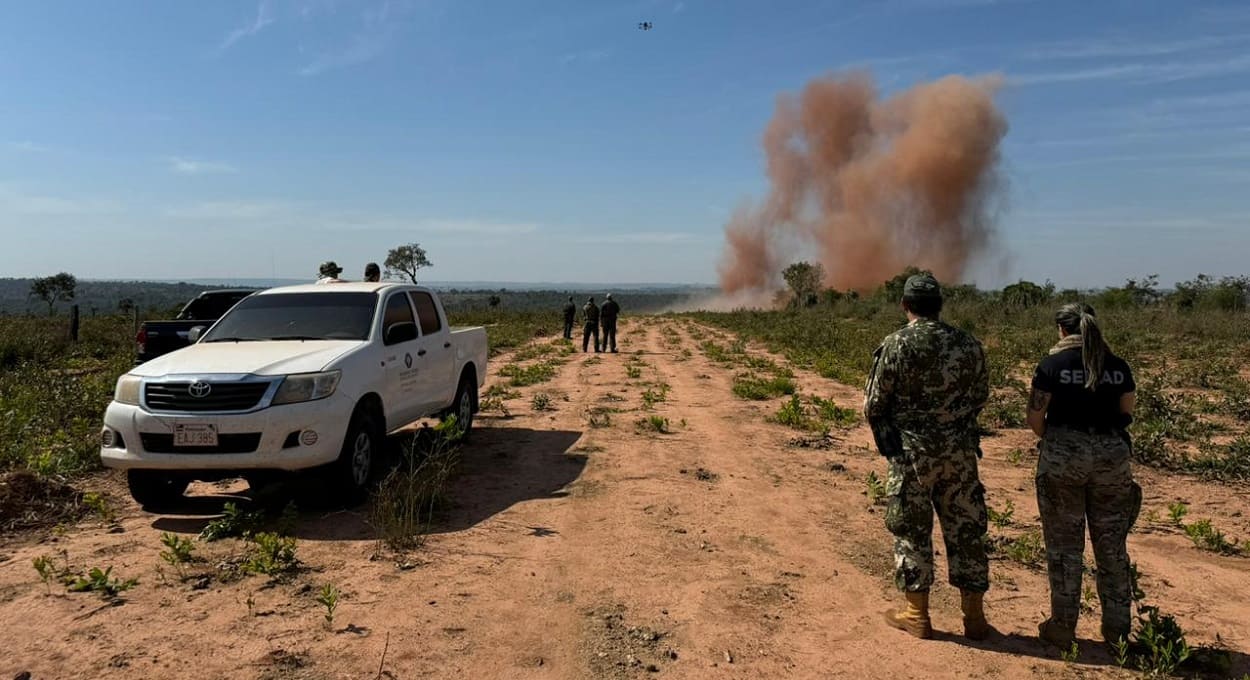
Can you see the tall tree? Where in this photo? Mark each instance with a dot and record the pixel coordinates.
(804, 280)
(54, 289)
(405, 260)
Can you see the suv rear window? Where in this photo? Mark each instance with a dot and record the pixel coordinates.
(427, 312)
(211, 305)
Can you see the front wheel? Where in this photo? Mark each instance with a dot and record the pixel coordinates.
(351, 473)
(154, 488)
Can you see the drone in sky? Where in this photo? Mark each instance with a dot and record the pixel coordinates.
(644, 25)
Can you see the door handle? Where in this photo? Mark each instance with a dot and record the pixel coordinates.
(446, 345)
(421, 353)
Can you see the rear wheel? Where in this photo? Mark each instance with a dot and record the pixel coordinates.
(351, 473)
(154, 488)
(465, 404)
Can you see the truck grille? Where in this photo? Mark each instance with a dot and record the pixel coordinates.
(220, 396)
(226, 443)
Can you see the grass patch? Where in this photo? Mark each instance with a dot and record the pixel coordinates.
(658, 424)
(524, 376)
(407, 499)
(760, 388)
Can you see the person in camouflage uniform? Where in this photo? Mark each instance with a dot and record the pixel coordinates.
(608, 314)
(590, 314)
(570, 315)
(1081, 404)
(927, 387)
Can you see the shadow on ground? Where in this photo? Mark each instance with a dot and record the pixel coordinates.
(1093, 653)
(499, 467)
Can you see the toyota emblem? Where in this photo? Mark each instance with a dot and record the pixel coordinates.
(199, 389)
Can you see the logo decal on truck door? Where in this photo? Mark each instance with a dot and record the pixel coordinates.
(407, 360)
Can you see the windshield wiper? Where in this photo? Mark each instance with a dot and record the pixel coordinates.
(296, 337)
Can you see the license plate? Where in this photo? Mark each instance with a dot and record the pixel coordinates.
(195, 435)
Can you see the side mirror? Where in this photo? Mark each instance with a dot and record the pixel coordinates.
(402, 331)
(193, 335)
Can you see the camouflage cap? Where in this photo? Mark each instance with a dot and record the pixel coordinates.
(330, 268)
(922, 286)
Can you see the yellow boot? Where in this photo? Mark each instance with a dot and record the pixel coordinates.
(976, 627)
(915, 618)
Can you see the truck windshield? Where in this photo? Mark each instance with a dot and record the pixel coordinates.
(297, 316)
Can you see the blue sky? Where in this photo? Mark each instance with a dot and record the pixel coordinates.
(554, 141)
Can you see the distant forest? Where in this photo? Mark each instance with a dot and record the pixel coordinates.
(159, 300)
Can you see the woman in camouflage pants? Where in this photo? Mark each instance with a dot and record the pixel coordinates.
(1082, 401)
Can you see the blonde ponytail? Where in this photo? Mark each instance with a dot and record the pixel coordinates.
(1077, 318)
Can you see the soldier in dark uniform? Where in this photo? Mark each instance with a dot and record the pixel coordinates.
(1081, 404)
(570, 315)
(928, 385)
(590, 314)
(373, 273)
(609, 312)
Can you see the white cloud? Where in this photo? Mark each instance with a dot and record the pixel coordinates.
(17, 201)
(29, 147)
(379, 26)
(264, 18)
(470, 227)
(1141, 72)
(235, 211)
(191, 166)
(1087, 49)
(311, 216)
(640, 238)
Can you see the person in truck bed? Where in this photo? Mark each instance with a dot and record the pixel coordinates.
(329, 272)
(372, 273)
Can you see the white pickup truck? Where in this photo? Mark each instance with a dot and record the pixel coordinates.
(291, 379)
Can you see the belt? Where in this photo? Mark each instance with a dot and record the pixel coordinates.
(1090, 429)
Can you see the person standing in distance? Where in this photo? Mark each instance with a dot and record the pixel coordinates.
(372, 273)
(570, 315)
(590, 315)
(927, 386)
(609, 312)
(1081, 406)
(329, 272)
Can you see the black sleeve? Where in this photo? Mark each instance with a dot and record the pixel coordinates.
(1130, 385)
(1043, 378)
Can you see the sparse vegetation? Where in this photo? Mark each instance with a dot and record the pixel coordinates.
(178, 551)
(1027, 548)
(271, 554)
(523, 376)
(407, 499)
(875, 489)
(328, 597)
(1207, 537)
(757, 388)
(542, 402)
(1002, 519)
(233, 522)
(99, 581)
(658, 424)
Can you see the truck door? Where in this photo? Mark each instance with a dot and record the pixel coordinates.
(439, 370)
(400, 355)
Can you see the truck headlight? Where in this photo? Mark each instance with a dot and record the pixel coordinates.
(128, 388)
(307, 387)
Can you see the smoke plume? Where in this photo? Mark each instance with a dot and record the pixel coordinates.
(870, 186)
